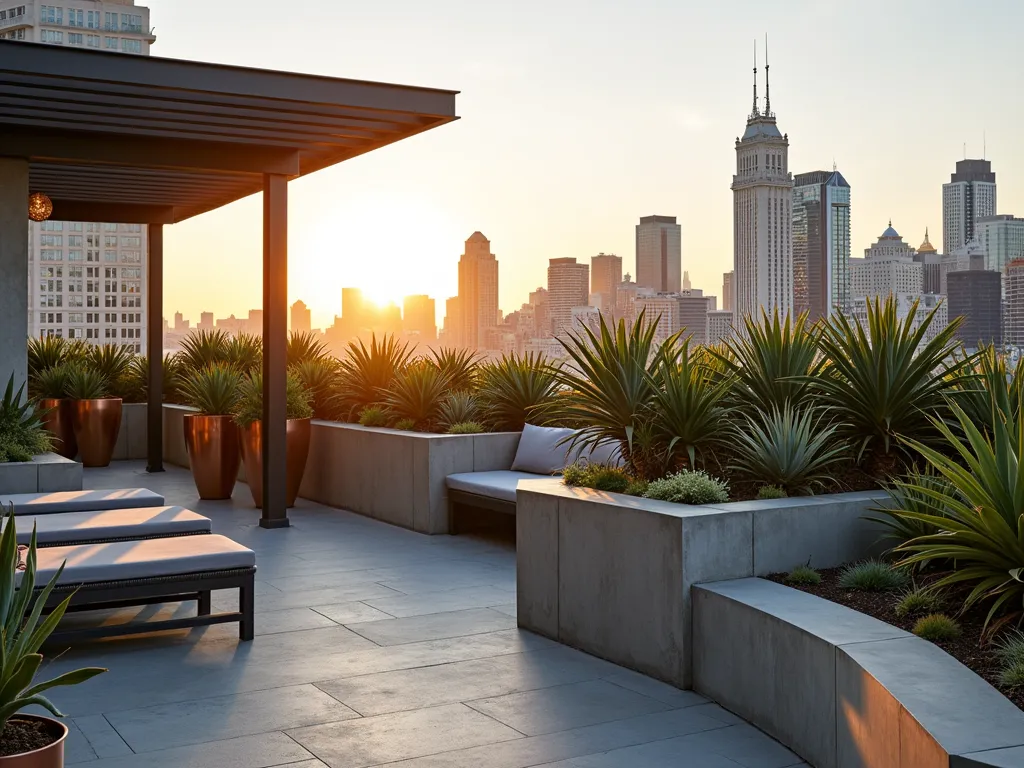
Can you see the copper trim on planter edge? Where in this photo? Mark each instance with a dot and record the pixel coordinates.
(298, 433)
(213, 454)
(96, 424)
(50, 756)
(58, 421)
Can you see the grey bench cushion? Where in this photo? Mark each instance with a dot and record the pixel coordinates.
(80, 501)
(117, 561)
(500, 484)
(104, 525)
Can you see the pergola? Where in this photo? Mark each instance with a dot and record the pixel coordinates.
(133, 139)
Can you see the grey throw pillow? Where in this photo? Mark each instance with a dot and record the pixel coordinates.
(541, 450)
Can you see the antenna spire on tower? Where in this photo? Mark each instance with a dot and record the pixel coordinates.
(755, 113)
(767, 86)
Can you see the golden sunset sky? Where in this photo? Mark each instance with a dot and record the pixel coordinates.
(578, 117)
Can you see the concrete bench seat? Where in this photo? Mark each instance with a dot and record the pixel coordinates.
(500, 484)
(80, 501)
(153, 571)
(68, 528)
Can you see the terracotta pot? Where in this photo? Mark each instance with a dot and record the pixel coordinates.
(213, 454)
(58, 419)
(96, 424)
(51, 756)
(297, 449)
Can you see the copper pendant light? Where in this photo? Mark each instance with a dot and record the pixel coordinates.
(40, 207)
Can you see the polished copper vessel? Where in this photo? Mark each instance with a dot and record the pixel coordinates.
(58, 420)
(297, 450)
(213, 454)
(96, 424)
(50, 756)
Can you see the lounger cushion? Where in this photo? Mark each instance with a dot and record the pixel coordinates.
(542, 450)
(494, 485)
(90, 563)
(80, 501)
(141, 522)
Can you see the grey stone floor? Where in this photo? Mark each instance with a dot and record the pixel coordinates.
(375, 646)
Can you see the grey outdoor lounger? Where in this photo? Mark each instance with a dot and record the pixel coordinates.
(130, 573)
(80, 501)
(67, 528)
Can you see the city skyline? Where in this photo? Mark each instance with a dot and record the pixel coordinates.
(672, 131)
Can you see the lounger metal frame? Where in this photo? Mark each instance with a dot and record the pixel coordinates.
(111, 540)
(461, 501)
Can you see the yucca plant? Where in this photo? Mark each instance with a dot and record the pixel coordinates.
(776, 361)
(203, 348)
(982, 530)
(249, 405)
(610, 388)
(920, 492)
(988, 387)
(134, 385)
(792, 449)
(86, 384)
(320, 377)
(51, 383)
(22, 434)
(366, 371)
(885, 379)
(458, 408)
(111, 361)
(244, 353)
(24, 629)
(417, 393)
(213, 390)
(45, 353)
(687, 403)
(459, 366)
(516, 389)
(305, 347)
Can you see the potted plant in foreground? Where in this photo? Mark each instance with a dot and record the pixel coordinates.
(211, 436)
(22, 434)
(249, 415)
(95, 417)
(28, 741)
(54, 409)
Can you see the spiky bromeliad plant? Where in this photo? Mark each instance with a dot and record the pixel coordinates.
(982, 530)
(417, 394)
(776, 361)
(249, 404)
(366, 371)
(202, 348)
(213, 390)
(22, 434)
(885, 379)
(516, 389)
(459, 366)
(458, 408)
(24, 630)
(793, 450)
(610, 390)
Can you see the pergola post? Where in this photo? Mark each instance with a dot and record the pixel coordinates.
(155, 349)
(275, 351)
(14, 270)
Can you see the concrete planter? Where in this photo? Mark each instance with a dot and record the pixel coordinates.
(842, 689)
(46, 473)
(131, 439)
(611, 574)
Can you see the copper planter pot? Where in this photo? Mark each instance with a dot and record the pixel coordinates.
(51, 756)
(58, 419)
(96, 424)
(297, 448)
(213, 454)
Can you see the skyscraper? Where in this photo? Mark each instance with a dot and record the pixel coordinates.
(729, 291)
(478, 292)
(931, 266)
(762, 215)
(659, 259)
(687, 285)
(301, 317)
(605, 276)
(821, 243)
(1002, 237)
(888, 268)
(970, 195)
(1014, 322)
(568, 287)
(419, 318)
(976, 295)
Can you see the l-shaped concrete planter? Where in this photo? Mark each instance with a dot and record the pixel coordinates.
(611, 574)
(842, 689)
(46, 473)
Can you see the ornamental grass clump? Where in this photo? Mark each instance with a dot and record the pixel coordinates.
(689, 487)
(375, 416)
(600, 477)
(467, 428)
(872, 576)
(937, 628)
(918, 602)
(766, 492)
(804, 576)
(1010, 652)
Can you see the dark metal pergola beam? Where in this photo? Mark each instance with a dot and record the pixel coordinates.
(123, 213)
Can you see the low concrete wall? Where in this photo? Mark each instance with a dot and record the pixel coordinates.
(131, 439)
(611, 574)
(46, 473)
(174, 435)
(842, 689)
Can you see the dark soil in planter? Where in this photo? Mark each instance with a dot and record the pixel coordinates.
(21, 736)
(969, 649)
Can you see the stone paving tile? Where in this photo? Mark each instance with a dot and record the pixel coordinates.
(458, 599)
(103, 740)
(433, 626)
(221, 717)
(562, 707)
(506, 608)
(742, 743)
(352, 612)
(77, 748)
(386, 738)
(308, 598)
(265, 750)
(656, 689)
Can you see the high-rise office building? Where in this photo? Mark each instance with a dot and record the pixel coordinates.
(478, 292)
(821, 243)
(568, 287)
(659, 259)
(762, 215)
(719, 327)
(968, 256)
(976, 295)
(888, 268)
(302, 317)
(729, 291)
(687, 285)
(931, 266)
(1013, 280)
(1002, 237)
(205, 321)
(419, 318)
(605, 276)
(970, 195)
(88, 280)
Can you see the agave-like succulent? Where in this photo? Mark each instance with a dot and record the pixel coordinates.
(417, 394)
(458, 408)
(366, 371)
(460, 367)
(917, 492)
(988, 387)
(51, 383)
(320, 377)
(22, 434)
(516, 389)
(84, 383)
(213, 390)
(111, 361)
(45, 353)
(244, 353)
(249, 406)
(203, 348)
(305, 347)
